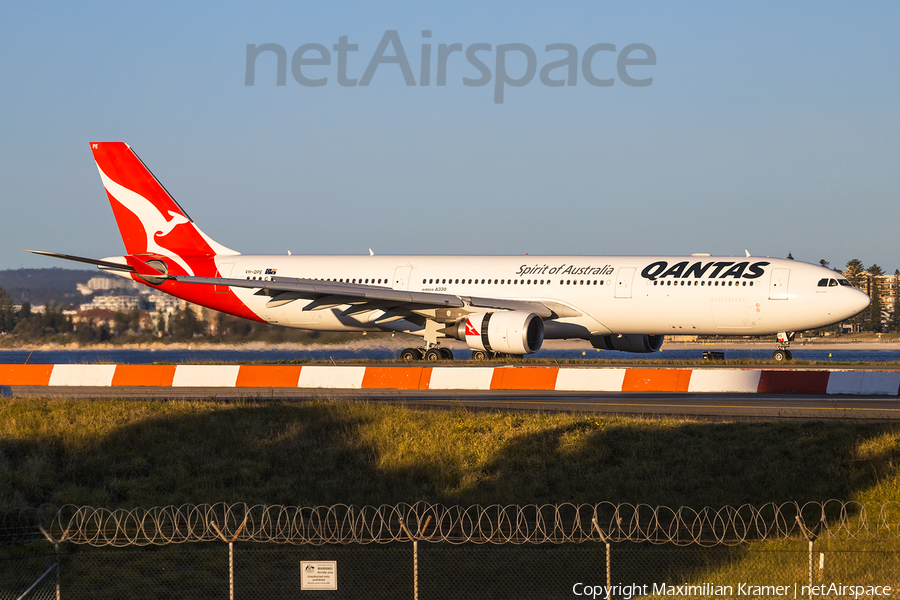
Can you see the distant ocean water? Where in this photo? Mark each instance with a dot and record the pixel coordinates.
(162, 355)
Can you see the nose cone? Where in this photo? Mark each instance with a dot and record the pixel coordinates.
(857, 302)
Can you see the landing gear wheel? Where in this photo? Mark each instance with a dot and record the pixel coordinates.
(433, 355)
(781, 355)
(789, 355)
(410, 354)
(446, 354)
(479, 355)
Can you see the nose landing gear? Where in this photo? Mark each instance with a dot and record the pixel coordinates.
(783, 341)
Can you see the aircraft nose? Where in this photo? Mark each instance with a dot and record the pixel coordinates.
(858, 302)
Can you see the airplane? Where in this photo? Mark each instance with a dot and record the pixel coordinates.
(497, 305)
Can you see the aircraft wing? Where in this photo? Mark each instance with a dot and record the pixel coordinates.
(328, 294)
(360, 297)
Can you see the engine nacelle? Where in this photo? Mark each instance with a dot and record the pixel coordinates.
(628, 342)
(510, 332)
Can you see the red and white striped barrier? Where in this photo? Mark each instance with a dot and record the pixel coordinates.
(579, 379)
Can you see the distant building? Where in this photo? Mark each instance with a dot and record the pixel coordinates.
(164, 303)
(35, 308)
(99, 283)
(886, 286)
(113, 303)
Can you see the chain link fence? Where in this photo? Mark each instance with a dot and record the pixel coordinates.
(428, 551)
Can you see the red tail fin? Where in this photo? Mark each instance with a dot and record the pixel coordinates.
(149, 219)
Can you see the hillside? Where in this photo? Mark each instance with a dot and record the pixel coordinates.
(40, 286)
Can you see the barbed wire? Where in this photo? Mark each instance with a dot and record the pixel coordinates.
(496, 524)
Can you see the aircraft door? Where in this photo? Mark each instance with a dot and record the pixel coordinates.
(401, 278)
(778, 285)
(624, 281)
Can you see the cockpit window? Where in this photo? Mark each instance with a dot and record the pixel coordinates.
(844, 282)
(832, 283)
(823, 283)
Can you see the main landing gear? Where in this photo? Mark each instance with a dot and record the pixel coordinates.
(431, 353)
(783, 341)
(435, 353)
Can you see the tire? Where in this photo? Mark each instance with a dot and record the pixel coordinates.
(446, 354)
(790, 356)
(410, 354)
(780, 356)
(479, 355)
(433, 355)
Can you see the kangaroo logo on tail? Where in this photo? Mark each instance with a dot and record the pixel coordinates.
(154, 222)
(149, 219)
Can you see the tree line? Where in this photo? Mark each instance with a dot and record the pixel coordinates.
(881, 317)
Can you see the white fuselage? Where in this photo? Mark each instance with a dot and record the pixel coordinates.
(662, 295)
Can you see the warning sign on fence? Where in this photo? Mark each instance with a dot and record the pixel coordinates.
(318, 575)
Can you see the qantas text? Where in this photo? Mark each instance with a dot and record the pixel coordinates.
(721, 269)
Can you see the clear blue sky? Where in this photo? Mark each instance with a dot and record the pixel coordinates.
(769, 126)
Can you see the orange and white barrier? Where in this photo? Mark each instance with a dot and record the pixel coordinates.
(573, 379)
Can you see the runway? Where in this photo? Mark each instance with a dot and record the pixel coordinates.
(716, 406)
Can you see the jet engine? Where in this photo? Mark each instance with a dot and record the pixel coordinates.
(628, 342)
(509, 332)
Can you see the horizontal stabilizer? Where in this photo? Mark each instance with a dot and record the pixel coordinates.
(105, 264)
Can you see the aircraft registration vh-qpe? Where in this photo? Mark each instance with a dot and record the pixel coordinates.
(495, 304)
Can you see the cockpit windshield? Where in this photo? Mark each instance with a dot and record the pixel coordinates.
(831, 282)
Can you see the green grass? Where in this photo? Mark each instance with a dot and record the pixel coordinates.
(117, 453)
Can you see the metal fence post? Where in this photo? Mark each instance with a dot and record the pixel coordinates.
(811, 537)
(415, 541)
(605, 540)
(55, 543)
(230, 542)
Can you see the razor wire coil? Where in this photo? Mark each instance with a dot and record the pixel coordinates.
(495, 524)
